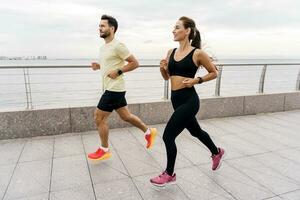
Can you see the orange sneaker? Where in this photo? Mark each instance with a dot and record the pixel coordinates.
(100, 154)
(151, 137)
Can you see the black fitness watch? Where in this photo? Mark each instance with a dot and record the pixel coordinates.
(200, 80)
(120, 72)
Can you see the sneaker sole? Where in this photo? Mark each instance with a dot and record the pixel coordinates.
(163, 185)
(105, 157)
(153, 138)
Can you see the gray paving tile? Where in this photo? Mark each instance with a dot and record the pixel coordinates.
(283, 166)
(10, 151)
(84, 192)
(92, 142)
(67, 146)
(215, 131)
(196, 184)
(43, 196)
(294, 195)
(29, 179)
(227, 127)
(250, 133)
(262, 162)
(134, 156)
(69, 172)
(231, 150)
(6, 172)
(274, 198)
(108, 170)
(243, 146)
(285, 121)
(118, 189)
(194, 150)
(282, 138)
(264, 175)
(291, 154)
(279, 133)
(158, 151)
(236, 183)
(269, 144)
(151, 192)
(35, 150)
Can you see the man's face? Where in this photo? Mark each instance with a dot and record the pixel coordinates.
(104, 29)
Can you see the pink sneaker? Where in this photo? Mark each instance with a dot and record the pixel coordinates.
(217, 159)
(163, 179)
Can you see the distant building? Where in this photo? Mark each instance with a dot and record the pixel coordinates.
(3, 58)
(23, 58)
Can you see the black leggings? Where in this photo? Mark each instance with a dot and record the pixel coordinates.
(186, 105)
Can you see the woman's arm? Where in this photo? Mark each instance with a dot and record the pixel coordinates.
(164, 66)
(204, 60)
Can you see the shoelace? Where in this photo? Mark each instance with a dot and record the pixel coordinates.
(162, 174)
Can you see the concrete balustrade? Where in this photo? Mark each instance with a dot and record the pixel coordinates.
(32, 123)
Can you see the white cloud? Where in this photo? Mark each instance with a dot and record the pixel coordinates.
(69, 28)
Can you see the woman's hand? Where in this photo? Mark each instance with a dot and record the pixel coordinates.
(190, 82)
(163, 64)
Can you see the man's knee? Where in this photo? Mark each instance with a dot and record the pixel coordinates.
(99, 118)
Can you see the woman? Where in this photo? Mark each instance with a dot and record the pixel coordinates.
(180, 67)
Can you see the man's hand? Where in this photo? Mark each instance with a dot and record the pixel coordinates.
(95, 66)
(113, 74)
(190, 82)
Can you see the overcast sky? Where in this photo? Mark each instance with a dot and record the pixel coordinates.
(229, 28)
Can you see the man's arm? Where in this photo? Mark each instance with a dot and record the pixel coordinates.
(131, 65)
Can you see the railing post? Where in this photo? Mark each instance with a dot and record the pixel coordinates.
(218, 82)
(166, 90)
(298, 81)
(27, 88)
(262, 79)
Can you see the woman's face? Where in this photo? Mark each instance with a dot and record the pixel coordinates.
(179, 32)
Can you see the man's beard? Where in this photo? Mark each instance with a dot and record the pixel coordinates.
(105, 35)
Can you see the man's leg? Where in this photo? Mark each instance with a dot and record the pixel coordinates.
(150, 133)
(125, 115)
(100, 118)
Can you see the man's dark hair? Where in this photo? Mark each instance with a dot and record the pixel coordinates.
(111, 21)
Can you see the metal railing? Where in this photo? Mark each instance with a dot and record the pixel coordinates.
(262, 77)
(220, 66)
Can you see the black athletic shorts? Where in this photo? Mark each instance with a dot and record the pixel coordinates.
(111, 100)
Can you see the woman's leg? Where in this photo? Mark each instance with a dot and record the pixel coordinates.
(194, 128)
(174, 127)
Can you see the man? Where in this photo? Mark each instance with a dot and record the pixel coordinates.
(113, 55)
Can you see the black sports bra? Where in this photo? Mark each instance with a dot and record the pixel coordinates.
(185, 67)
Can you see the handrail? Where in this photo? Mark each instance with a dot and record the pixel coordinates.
(220, 66)
(87, 66)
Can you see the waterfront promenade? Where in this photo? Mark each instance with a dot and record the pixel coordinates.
(263, 162)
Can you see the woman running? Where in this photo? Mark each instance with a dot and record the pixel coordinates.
(180, 66)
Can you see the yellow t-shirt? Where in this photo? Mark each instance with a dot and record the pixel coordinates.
(112, 57)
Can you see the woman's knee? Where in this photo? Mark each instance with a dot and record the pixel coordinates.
(168, 138)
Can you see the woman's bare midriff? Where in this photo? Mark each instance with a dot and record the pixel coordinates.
(176, 82)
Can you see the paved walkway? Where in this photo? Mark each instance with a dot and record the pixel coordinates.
(263, 162)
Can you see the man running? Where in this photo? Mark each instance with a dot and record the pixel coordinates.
(113, 55)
